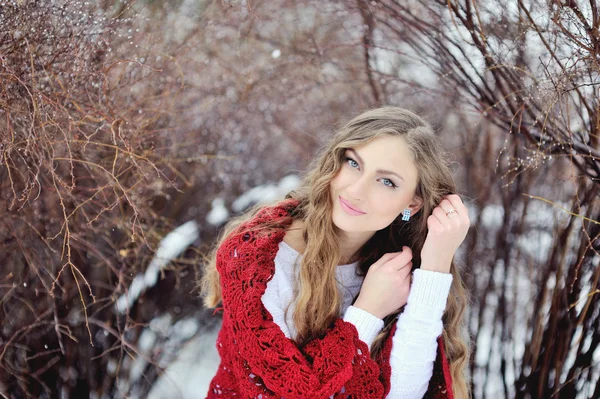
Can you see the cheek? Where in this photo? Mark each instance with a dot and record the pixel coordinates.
(337, 180)
(387, 204)
(390, 206)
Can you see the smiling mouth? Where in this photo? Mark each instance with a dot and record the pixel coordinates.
(349, 208)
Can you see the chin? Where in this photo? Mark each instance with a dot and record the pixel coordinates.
(345, 223)
(356, 224)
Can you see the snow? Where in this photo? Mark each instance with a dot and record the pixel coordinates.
(265, 193)
(219, 213)
(492, 216)
(171, 246)
(190, 374)
(146, 343)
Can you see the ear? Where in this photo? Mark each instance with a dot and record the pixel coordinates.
(415, 205)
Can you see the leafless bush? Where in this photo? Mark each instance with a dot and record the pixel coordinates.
(84, 154)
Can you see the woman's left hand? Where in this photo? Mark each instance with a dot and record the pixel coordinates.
(446, 233)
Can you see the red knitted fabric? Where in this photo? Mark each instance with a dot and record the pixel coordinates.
(258, 361)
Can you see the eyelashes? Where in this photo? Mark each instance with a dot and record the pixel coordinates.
(351, 162)
(347, 159)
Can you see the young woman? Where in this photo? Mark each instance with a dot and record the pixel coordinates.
(347, 288)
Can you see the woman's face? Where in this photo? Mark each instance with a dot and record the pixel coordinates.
(376, 182)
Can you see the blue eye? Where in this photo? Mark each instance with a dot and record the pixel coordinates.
(351, 162)
(391, 183)
(354, 164)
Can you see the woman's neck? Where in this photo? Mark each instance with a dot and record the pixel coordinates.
(350, 244)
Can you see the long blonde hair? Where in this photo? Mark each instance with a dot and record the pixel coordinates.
(318, 299)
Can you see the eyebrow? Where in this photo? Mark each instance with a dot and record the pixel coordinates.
(380, 171)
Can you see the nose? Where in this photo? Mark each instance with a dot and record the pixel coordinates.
(357, 189)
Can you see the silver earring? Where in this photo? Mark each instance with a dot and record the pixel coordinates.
(406, 214)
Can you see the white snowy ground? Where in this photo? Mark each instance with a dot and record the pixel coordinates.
(188, 376)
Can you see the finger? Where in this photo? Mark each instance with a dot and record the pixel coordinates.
(405, 270)
(447, 206)
(433, 223)
(408, 281)
(400, 260)
(441, 216)
(389, 256)
(457, 203)
(461, 209)
(405, 265)
(455, 216)
(385, 258)
(407, 250)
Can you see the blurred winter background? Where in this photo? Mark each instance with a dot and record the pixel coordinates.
(131, 130)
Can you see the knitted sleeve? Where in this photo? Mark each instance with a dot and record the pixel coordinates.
(440, 383)
(269, 364)
(415, 339)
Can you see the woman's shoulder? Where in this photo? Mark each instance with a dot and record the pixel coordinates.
(268, 225)
(277, 214)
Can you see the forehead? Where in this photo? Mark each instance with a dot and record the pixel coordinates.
(388, 153)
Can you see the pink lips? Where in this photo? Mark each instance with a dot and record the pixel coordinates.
(349, 209)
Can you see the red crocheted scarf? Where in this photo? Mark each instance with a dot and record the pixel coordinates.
(258, 361)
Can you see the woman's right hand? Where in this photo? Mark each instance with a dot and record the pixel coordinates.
(387, 284)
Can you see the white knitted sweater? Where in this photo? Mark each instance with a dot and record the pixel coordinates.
(414, 345)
